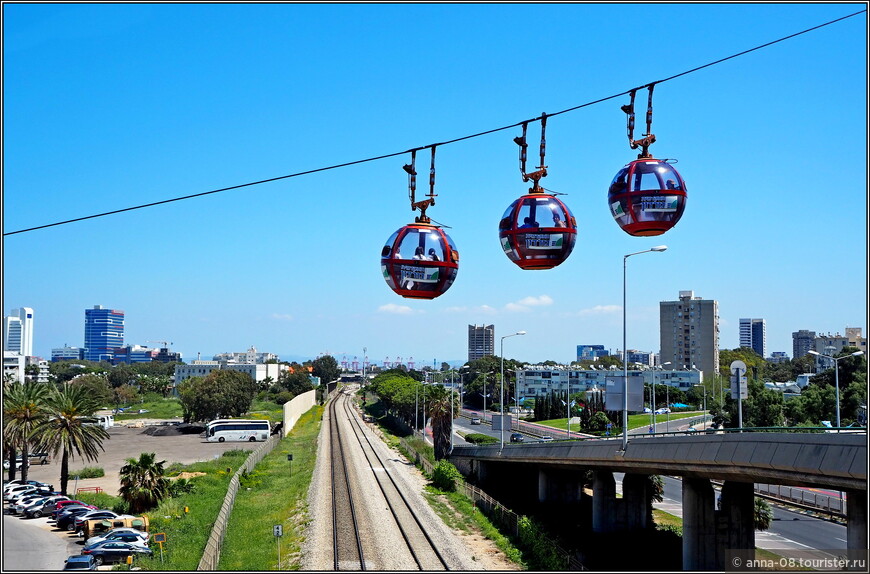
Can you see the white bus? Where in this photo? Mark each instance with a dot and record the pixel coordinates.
(222, 430)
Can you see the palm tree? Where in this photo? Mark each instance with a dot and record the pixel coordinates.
(24, 407)
(143, 485)
(762, 514)
(62, 430)
(439, 404)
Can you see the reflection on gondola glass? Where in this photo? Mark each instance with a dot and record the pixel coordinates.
(647, 197)
(419, 261)
(537, 231)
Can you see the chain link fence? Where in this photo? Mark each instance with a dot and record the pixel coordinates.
(212, 553)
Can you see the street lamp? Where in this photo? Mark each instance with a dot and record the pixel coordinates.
(501, 392)
(624, 351)
(837, 375)
(667, 400)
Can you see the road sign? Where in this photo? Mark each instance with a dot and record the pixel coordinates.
(738, 380)
(278, 530)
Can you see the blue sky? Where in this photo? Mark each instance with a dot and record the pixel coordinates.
(112, 106)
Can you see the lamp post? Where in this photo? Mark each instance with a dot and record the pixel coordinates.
(624, 351)
(667, 401)
(837, 375)
(452, 398)
(501, 392)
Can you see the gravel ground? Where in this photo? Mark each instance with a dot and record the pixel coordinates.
(384, 549)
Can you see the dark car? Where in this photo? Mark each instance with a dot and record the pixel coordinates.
(517, 437)
(61, 504)
(43, 508)
(66, 519)
(111, 551)
(80, 562)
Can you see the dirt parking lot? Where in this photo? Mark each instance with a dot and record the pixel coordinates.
(125, 442)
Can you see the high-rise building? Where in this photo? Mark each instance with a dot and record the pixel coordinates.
(802, 342)
(753, 335)
(689, 333)
(104, 332)
(18, 331)
(591, 352)
(481, 341)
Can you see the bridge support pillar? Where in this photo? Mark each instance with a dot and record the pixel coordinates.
(699, 525)
(559, 486)
(603, 501)
(856, 524)
(636, 501)
(736, 519)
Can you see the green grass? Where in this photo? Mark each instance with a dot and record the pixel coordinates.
(634, 421)
(187, 532)
(160, 409)
(275, 493)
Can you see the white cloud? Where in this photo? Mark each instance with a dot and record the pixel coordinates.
(536, 301)
(601, 310)
(524, 304)
(282, 316)
(397, 309)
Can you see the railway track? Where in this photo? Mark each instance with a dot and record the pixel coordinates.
(349, 541)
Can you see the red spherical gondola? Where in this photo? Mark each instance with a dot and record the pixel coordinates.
(647, 197)
(537, 231)
(419, 261)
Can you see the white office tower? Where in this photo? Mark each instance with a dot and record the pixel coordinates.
(18, 331)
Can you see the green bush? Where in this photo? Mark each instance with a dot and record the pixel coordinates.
(541, 549)
(445, 476)
(88, 472)
(480, 438)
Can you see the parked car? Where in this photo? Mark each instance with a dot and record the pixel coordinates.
(80, 562)
(131, 535)
(66, 519)
(58, 511)
(19, 463)
(18, 484)
(60, 504)
(91, 515)
(27, 501)
(18, 489)
(112, 551)
(517, 437)
(15, 497)
(475, 420)
(44, 508)
(38, 458)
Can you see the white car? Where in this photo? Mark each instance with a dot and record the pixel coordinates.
(19, 463)
(663, 410)
(130, 535)
(17, 491)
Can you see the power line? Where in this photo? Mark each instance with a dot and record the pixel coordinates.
(487, 132)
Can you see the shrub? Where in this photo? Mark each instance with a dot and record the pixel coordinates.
(445, 476)
(88, 472)
(480, 438)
